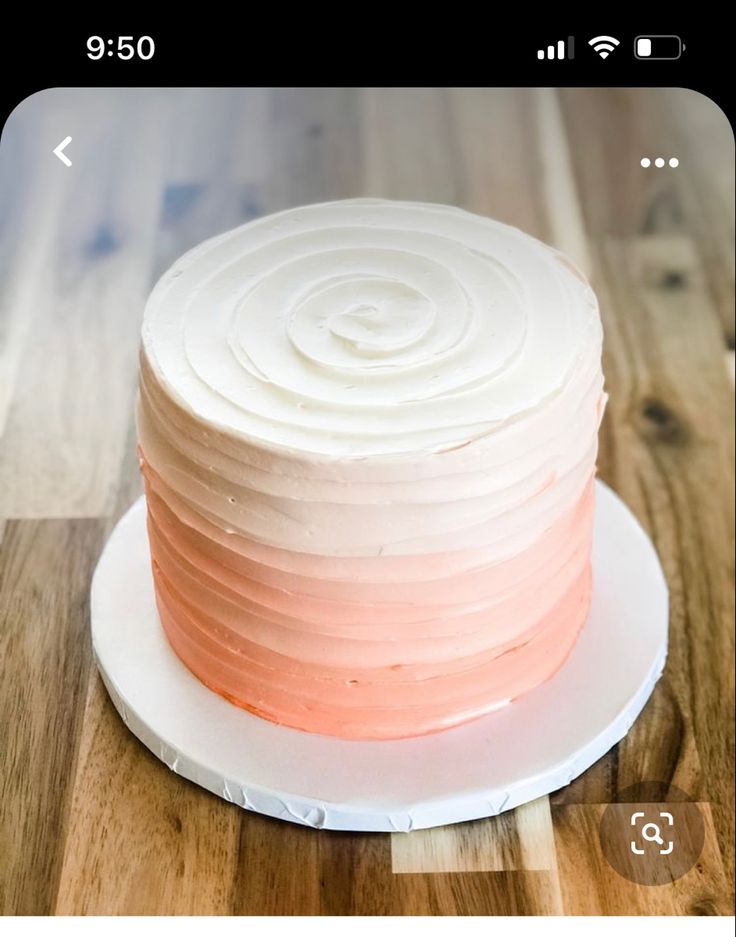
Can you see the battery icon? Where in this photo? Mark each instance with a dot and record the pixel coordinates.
(658, 47)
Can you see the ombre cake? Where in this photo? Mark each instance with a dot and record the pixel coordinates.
(368, 433)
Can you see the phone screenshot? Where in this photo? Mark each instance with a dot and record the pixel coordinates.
(367, 474)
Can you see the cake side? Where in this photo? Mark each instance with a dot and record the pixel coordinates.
(368, 434)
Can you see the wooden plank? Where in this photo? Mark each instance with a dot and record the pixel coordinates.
(140, 839)
(30, 215)
(669, 439)
(702, 138)
(609, 131)
(612, 129)
(683, 414)
(473, 893)
(591, 886)
(315, 152)
(215, 179)
(63, 438)
(407, 146)
(536, 837)
(284, 869)
(558, 185)
(490, 845)
(495, 136)
(356, 879)
(277, 868)
(355, 875)
(521, 839)
(45, 568)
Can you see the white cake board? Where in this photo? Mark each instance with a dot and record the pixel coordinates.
(536, 745)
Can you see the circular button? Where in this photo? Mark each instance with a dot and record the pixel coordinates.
(653, 834)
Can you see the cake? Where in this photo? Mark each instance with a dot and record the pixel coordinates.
(368, 433)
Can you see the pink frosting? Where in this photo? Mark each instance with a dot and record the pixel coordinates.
(310, 650)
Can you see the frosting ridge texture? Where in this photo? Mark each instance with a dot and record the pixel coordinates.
(368, 433)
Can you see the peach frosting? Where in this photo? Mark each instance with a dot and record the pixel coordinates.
(368, 433)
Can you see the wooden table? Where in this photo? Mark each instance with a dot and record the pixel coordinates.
(91, 822)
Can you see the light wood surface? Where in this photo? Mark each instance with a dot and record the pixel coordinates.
(90, 821)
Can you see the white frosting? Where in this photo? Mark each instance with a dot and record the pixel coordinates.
(371, 328)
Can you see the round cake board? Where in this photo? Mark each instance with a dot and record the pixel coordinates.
(533, 746)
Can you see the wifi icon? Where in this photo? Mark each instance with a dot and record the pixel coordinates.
(603, 45)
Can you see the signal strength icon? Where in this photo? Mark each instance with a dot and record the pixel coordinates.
(559, 50)
(603, 45)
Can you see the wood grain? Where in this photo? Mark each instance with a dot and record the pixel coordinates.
(497, 148)
(521, 839)
(591, 886)
(45, 663)
(126, 804)
(90, 821)
(407, 144)
(64, 432)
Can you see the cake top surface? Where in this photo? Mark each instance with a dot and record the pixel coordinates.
(369, 327)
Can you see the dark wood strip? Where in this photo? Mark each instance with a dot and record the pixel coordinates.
(45, 660)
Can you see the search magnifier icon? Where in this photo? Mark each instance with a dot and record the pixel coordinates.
(654, 836)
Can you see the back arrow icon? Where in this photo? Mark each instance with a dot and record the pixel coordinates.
(59, 151)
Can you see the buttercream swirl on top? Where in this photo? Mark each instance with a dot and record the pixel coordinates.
(369, 328)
